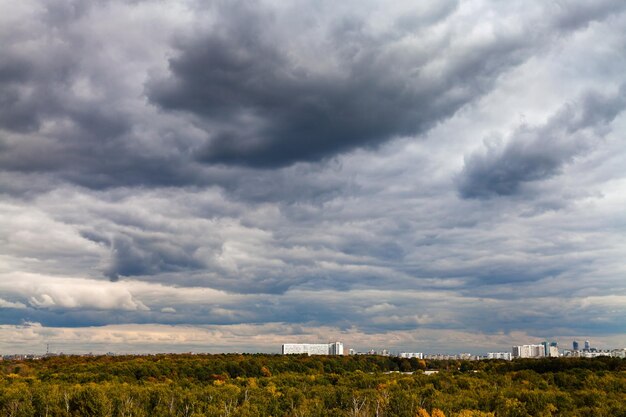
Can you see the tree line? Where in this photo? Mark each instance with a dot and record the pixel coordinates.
(236, 385)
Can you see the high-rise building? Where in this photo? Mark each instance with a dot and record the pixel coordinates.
(553, 351)
(546, 349)
(575, 345)
(587, 345)
(528, 351)
(334, 348)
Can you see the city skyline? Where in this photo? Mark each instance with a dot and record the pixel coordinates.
(235, 175)
(331, 346)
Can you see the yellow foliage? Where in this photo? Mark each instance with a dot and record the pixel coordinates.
(218, 382)
(422, 413)
(437, 413)
(549, 411)
(474, 413)
(271, 388)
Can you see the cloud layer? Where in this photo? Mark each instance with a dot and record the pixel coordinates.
(537, 153)
(252, 173)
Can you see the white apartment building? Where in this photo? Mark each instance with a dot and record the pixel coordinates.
(619, 353)
(553, 351)
(409, 355)
(528, 351)
(334, 348)
(499, 355)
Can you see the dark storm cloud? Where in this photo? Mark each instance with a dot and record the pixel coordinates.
(27, 89)
(300, 115)
(50, 124)
(264, 108)
(266, 88)
(539, 153)
(131, 257)
(40, 59)
(66, 102)
(15, 110)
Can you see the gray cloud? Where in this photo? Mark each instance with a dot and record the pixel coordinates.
(129, 258)
(263, 107)
(538, 153)
(72, 90)
(571, 14)
(277, 112)
(310, 170)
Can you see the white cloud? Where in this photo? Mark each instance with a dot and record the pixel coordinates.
(10, 304)
(50, 292)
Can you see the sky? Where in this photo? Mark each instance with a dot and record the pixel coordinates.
(219, 176)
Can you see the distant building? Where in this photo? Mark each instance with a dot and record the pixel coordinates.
(543, 350)
(334, 348)
(528, 351)
(587, 345)
(499, 355)
(575, 345)
(459, 356)
(553, 351)
(409, 355)
(594, 353)
(619, 353)
(550, 350)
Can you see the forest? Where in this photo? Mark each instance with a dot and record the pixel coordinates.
(233, 385)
